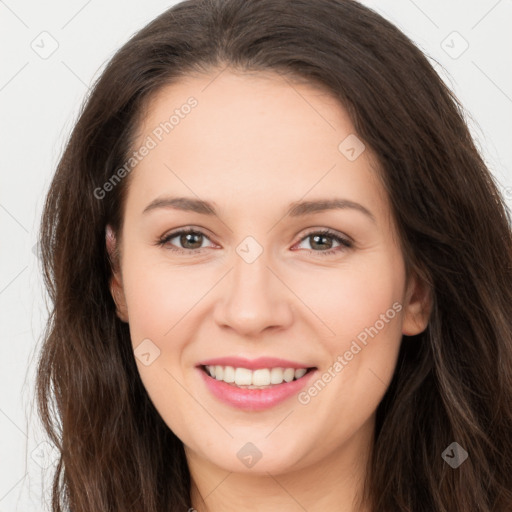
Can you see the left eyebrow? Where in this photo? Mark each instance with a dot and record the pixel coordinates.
(301, 208)
(296, 209)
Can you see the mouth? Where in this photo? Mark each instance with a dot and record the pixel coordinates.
(261, 378)
(267, 382)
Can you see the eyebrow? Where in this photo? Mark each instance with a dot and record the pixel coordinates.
(296, 209)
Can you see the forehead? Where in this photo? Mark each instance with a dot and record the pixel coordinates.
(253, 135)
(258, 102)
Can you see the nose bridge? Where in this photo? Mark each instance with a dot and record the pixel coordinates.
(253, 298)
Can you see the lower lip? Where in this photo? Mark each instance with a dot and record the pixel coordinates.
(254, 399)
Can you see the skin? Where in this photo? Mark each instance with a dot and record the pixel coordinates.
(254, 144)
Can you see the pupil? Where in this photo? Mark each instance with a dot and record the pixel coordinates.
(185, 239)
(316, 237)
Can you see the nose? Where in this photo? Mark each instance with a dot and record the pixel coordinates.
(253, 298)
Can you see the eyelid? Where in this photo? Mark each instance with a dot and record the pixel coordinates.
(164, 239)
(326, 231)
(345, 241)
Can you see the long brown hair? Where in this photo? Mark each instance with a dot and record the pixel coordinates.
(453, 382)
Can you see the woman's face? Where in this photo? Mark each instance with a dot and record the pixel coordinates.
(278, 164)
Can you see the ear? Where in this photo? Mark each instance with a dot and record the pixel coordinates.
(417, 306)
(116, 282)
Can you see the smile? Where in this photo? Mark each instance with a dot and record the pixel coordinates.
(256, 388)
(261, 378)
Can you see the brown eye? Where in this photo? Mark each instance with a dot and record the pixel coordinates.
(188, 240)
(322, 242)
(191, 240)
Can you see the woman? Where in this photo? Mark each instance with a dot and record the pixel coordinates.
(257, 370)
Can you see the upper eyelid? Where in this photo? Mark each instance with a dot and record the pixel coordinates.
(186, 230)
(309, 232)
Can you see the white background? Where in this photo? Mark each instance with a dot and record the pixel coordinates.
(39, 101)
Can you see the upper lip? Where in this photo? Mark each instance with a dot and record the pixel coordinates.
(253, 364)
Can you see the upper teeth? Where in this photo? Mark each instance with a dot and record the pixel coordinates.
(261, 377)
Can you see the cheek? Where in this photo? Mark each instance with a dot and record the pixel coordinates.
(363, 310)
(349, 300)
(158, 301)
(159, 296)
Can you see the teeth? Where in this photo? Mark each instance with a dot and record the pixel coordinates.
(260, 378)
(300, 373)
(289, 374)
(243, 377)
(229, 374)
(276, 375)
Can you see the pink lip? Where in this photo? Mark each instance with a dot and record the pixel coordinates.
(254, 399)
(253, 364)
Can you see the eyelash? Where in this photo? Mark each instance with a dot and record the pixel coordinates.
(344, 243)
